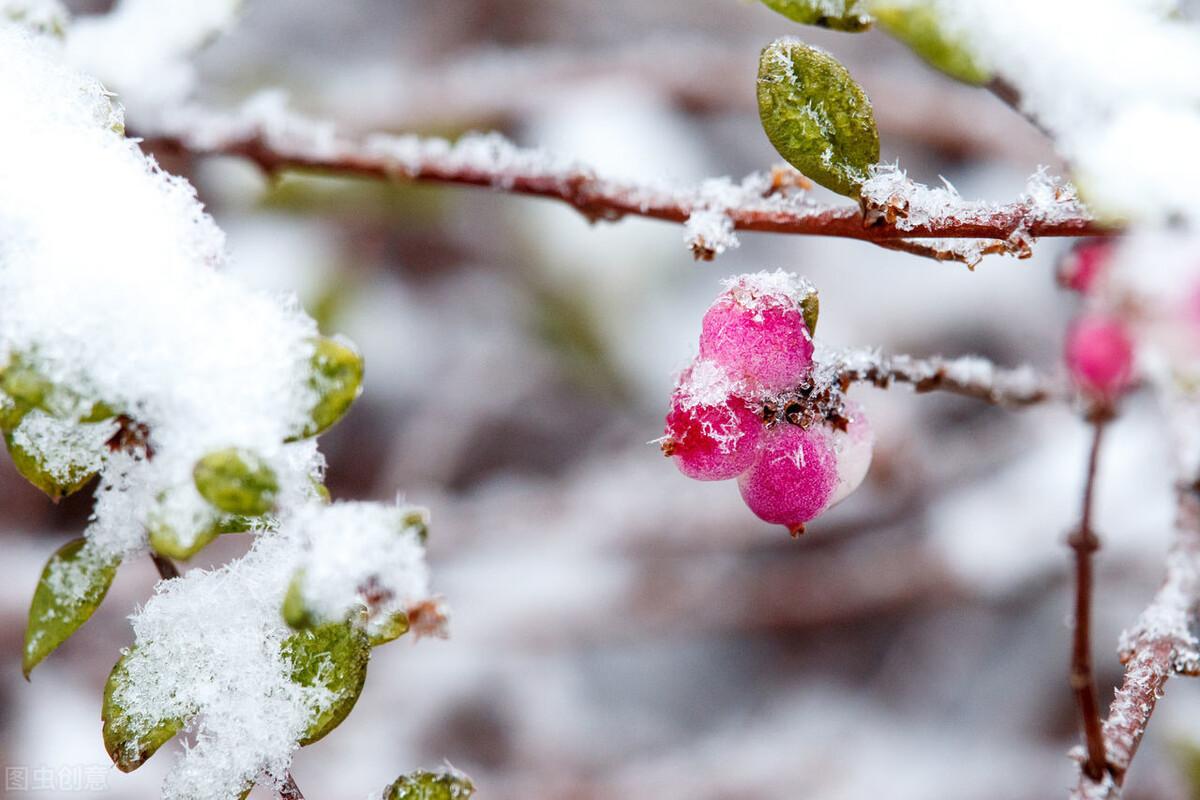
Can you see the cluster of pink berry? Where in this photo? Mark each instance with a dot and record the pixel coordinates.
(749, 407)
(1099, 349)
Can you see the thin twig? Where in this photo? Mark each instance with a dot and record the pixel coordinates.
(1084, 543)
(166, 567)
(969, 376)
(277, 140)
(289, 790)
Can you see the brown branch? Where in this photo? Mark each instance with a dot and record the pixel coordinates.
(1084, 543)
(289, 790)
(166, 567)
(1160, 645)
(277, 140)
(969, 376)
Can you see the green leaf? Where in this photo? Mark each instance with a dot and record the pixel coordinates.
(58, 482)
(167, 539)
(27, 388)
(426, 785)
(179, 530)
(336, 376)
(131, 738)
(840, 15)
(816, 116)
(73, 583)
(333, 656)
(295, 611)
(236, 481)
(918, 26)
(810, 308)
(389, 629)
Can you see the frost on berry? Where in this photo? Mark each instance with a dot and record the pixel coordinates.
(1085, 265)
(711, 433)
(853, 449)
(1099, 356)
(756, 330)
(794, 478)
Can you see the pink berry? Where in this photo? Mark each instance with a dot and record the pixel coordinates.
(756, 331)
(1099, 355)
(711, 432)
(794, 478)
(1084, 265)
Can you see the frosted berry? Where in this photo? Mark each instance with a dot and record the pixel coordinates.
(794, 478)
(1099, 356)
(712, 442)
(236, 481)
(756, 330)
(1084, 265)
(711, 433)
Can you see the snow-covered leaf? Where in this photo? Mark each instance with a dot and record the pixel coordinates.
(816, 116)
(332, 657)
(919, 26)
(130, 736)
(336, 379)
(73, 583)
(57, 457)
(236, 481)
(841, 15)
(426, 785)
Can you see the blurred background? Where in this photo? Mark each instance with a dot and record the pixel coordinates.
(619, 630)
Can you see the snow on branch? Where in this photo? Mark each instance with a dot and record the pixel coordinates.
(970, 376)
(1160, 645)
(266, 132)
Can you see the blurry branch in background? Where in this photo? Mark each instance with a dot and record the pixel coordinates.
(276, 139)
(970, 376)
(491, 88)
(1084, 543)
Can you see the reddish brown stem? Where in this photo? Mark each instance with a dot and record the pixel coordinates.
(1085, 543)
(166, 567)
(289, 790)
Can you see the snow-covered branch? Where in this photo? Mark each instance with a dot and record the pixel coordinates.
(1160, 645)
(970, 376)
(277, 139)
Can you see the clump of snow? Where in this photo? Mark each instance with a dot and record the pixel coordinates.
(353, 550)
(43, 16)
(111, 276)
(755, 291)
(1119, 95)
(709, 232)
(208, 647)
(130, 307)
(141, 48)
(705, 383)
(65, 449)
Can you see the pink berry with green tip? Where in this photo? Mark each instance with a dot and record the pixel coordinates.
(756, 330)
